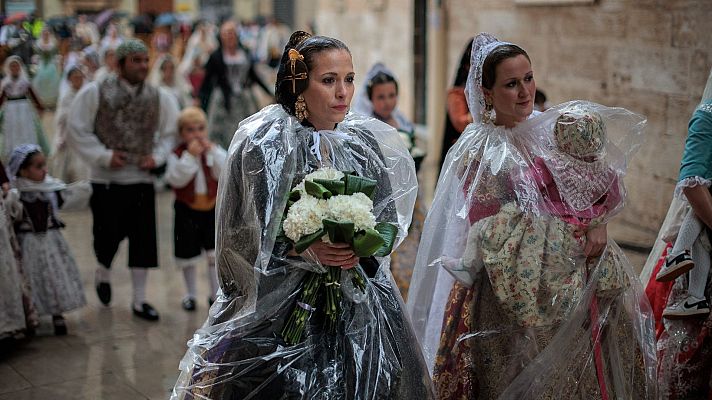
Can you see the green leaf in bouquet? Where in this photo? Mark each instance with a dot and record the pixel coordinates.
(333, 186)
(305, 241)
(294, 197)
(355, 184)
(339, 232)
(347, 174)
(388, 232)
(281, 236)
(316, 190)
(367, 242)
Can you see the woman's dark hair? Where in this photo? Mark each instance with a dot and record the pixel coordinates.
(26, 162)
(539, 97)
(379, 79)
(464, 68)
(286, 90)
(494, 58)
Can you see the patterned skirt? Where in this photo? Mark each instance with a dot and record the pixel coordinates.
(52, 271)
(536, 324)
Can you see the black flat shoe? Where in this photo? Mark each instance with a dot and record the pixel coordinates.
(188, 304)
(103, 289)
(60, 325)
(147, 312)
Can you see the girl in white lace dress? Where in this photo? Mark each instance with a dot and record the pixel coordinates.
(46, 257)
(20, 106)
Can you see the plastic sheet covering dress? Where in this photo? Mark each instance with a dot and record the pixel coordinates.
(238, 353)
(503, 299)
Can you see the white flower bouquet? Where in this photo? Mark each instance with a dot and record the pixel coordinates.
(335, 207)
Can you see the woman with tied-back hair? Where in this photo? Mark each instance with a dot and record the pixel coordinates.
(240, 352)
(517, 292)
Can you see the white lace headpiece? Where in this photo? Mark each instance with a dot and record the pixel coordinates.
(482, 46)
(363, 105)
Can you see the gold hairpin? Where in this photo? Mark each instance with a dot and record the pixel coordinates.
(293, 57)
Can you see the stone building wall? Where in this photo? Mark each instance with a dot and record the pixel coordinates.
(650, 56)
(374, 31)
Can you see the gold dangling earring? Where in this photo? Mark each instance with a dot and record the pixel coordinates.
(300, 109)
(487, 113)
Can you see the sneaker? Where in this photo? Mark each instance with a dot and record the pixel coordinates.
(675, 265)
(690, 306)
(188, 304)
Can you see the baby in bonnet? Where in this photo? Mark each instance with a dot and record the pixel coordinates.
(535, 253)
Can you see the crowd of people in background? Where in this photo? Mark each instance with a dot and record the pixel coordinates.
(49, 48)
(75, 66)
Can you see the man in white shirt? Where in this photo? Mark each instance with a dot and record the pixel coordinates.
(124, 128)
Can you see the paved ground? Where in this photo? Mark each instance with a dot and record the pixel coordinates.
(109, 354)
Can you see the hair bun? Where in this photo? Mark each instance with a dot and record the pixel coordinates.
(297, 38)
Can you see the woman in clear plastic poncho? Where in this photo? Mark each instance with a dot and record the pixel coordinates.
(239, 352)
(517, 293)
(684, 342)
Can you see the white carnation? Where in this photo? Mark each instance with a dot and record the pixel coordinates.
(355, 208)
(326, 173)
(304, 217)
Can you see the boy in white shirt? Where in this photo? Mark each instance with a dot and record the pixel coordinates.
(193, 170)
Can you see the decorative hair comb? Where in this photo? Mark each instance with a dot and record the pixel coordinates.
(295, 57)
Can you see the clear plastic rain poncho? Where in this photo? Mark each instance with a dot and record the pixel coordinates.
(684, 345)
(238, 353)
(503, 300)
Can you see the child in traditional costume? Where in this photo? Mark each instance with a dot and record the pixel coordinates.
(193, 170)
(46, 257)
(20, 107)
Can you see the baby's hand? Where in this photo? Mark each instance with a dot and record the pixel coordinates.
(207, 144)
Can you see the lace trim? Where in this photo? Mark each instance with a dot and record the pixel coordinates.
(691, 181)
(705, 108)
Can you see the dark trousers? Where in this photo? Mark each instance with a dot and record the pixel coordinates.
(125, 211)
